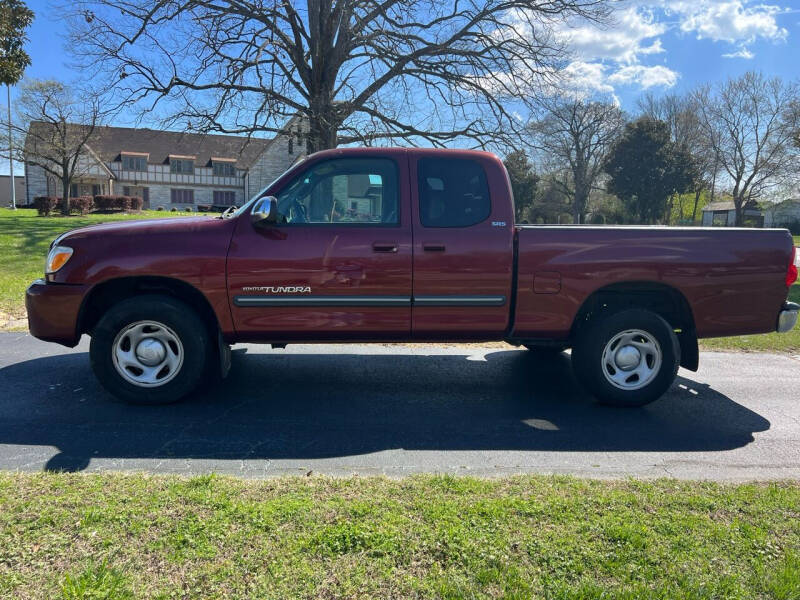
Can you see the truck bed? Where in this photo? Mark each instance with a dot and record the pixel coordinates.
(733, 278)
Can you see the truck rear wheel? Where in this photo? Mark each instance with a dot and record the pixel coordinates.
(150, 350)
(629, 358)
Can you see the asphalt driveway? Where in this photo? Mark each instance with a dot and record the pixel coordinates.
(369, 409)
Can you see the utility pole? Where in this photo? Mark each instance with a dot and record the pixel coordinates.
(11, 155)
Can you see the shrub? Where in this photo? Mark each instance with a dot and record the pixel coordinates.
(82, 204)
(793, 226)
(118, 202)
(104, 202)
(160, 208)
(188, 209)
(45, 204)
(173, 209)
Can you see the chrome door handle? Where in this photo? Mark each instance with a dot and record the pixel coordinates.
(387, 247)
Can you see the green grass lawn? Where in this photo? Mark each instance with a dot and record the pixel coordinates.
(132, 536)
(24, 240)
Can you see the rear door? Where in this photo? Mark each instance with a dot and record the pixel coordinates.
(463, 245)
(337, 265)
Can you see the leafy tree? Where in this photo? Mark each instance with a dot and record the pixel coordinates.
(682, 115)
(572, 137)
(645, 168)
(523, 183)
(358, 70)
(15, 18)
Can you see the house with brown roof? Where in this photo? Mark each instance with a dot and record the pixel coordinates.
(171, 169)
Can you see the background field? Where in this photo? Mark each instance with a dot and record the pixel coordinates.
(25, 238)
(115, 536)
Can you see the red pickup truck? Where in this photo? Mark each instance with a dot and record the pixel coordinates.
(366, 245)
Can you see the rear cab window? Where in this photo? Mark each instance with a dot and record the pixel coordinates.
(453, 192)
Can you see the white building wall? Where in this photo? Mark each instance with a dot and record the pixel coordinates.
(280, 154)
(36, 181)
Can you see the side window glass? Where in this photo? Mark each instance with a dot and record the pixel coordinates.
(359, 191)
(453, 192)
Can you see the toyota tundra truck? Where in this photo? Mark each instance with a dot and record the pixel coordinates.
(403, 245)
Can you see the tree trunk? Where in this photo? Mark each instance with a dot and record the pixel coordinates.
(579, 203)
(697, 193)
(739, 213)
(65, 195)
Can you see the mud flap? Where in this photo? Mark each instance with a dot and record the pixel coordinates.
(690, 355)
(224, 353)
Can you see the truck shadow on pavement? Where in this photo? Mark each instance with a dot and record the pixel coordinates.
(279, 405)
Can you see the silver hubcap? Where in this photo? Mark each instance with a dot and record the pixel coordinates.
(147, 353)
(631, 359)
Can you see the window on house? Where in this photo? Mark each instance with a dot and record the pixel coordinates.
(134, 163)
(179, 196)
(224, 198)
(453, 192)
(720, 219)
(224, 169)
(184, 166)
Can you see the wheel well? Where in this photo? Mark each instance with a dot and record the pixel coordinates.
(106, 294)
(662, 299)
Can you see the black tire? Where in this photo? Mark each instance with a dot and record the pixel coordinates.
(179, 319)
(588, 364)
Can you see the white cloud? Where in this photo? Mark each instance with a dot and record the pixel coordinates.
(630, 36)
(645, 77)
(740, 53)
(732, 21)
(617, 54)
(583, 77)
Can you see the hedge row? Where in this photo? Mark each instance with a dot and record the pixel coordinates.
(85, 204)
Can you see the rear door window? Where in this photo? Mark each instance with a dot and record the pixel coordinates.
(453, 192)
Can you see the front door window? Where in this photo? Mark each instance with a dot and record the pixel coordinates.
(355, 191)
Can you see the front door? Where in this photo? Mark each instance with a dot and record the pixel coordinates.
(337, 265)
(463, 247)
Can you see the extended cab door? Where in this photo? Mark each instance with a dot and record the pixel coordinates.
(337, 265)
(463, 245)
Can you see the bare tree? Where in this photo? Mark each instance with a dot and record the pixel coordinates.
(358, 70)
(749, 122)
(55, 124)
(682, 116)
(572, 139)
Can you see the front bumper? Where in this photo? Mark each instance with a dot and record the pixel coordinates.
(787, 318)
(53, 311)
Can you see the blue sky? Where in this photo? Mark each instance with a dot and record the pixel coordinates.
(651, 45)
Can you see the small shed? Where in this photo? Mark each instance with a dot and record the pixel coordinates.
(723, 214)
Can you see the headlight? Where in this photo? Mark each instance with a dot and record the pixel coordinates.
(57, 258)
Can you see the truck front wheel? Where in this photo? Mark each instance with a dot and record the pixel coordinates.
(150, 350)
(629, 358)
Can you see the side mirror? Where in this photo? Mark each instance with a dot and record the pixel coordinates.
(265, 211)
